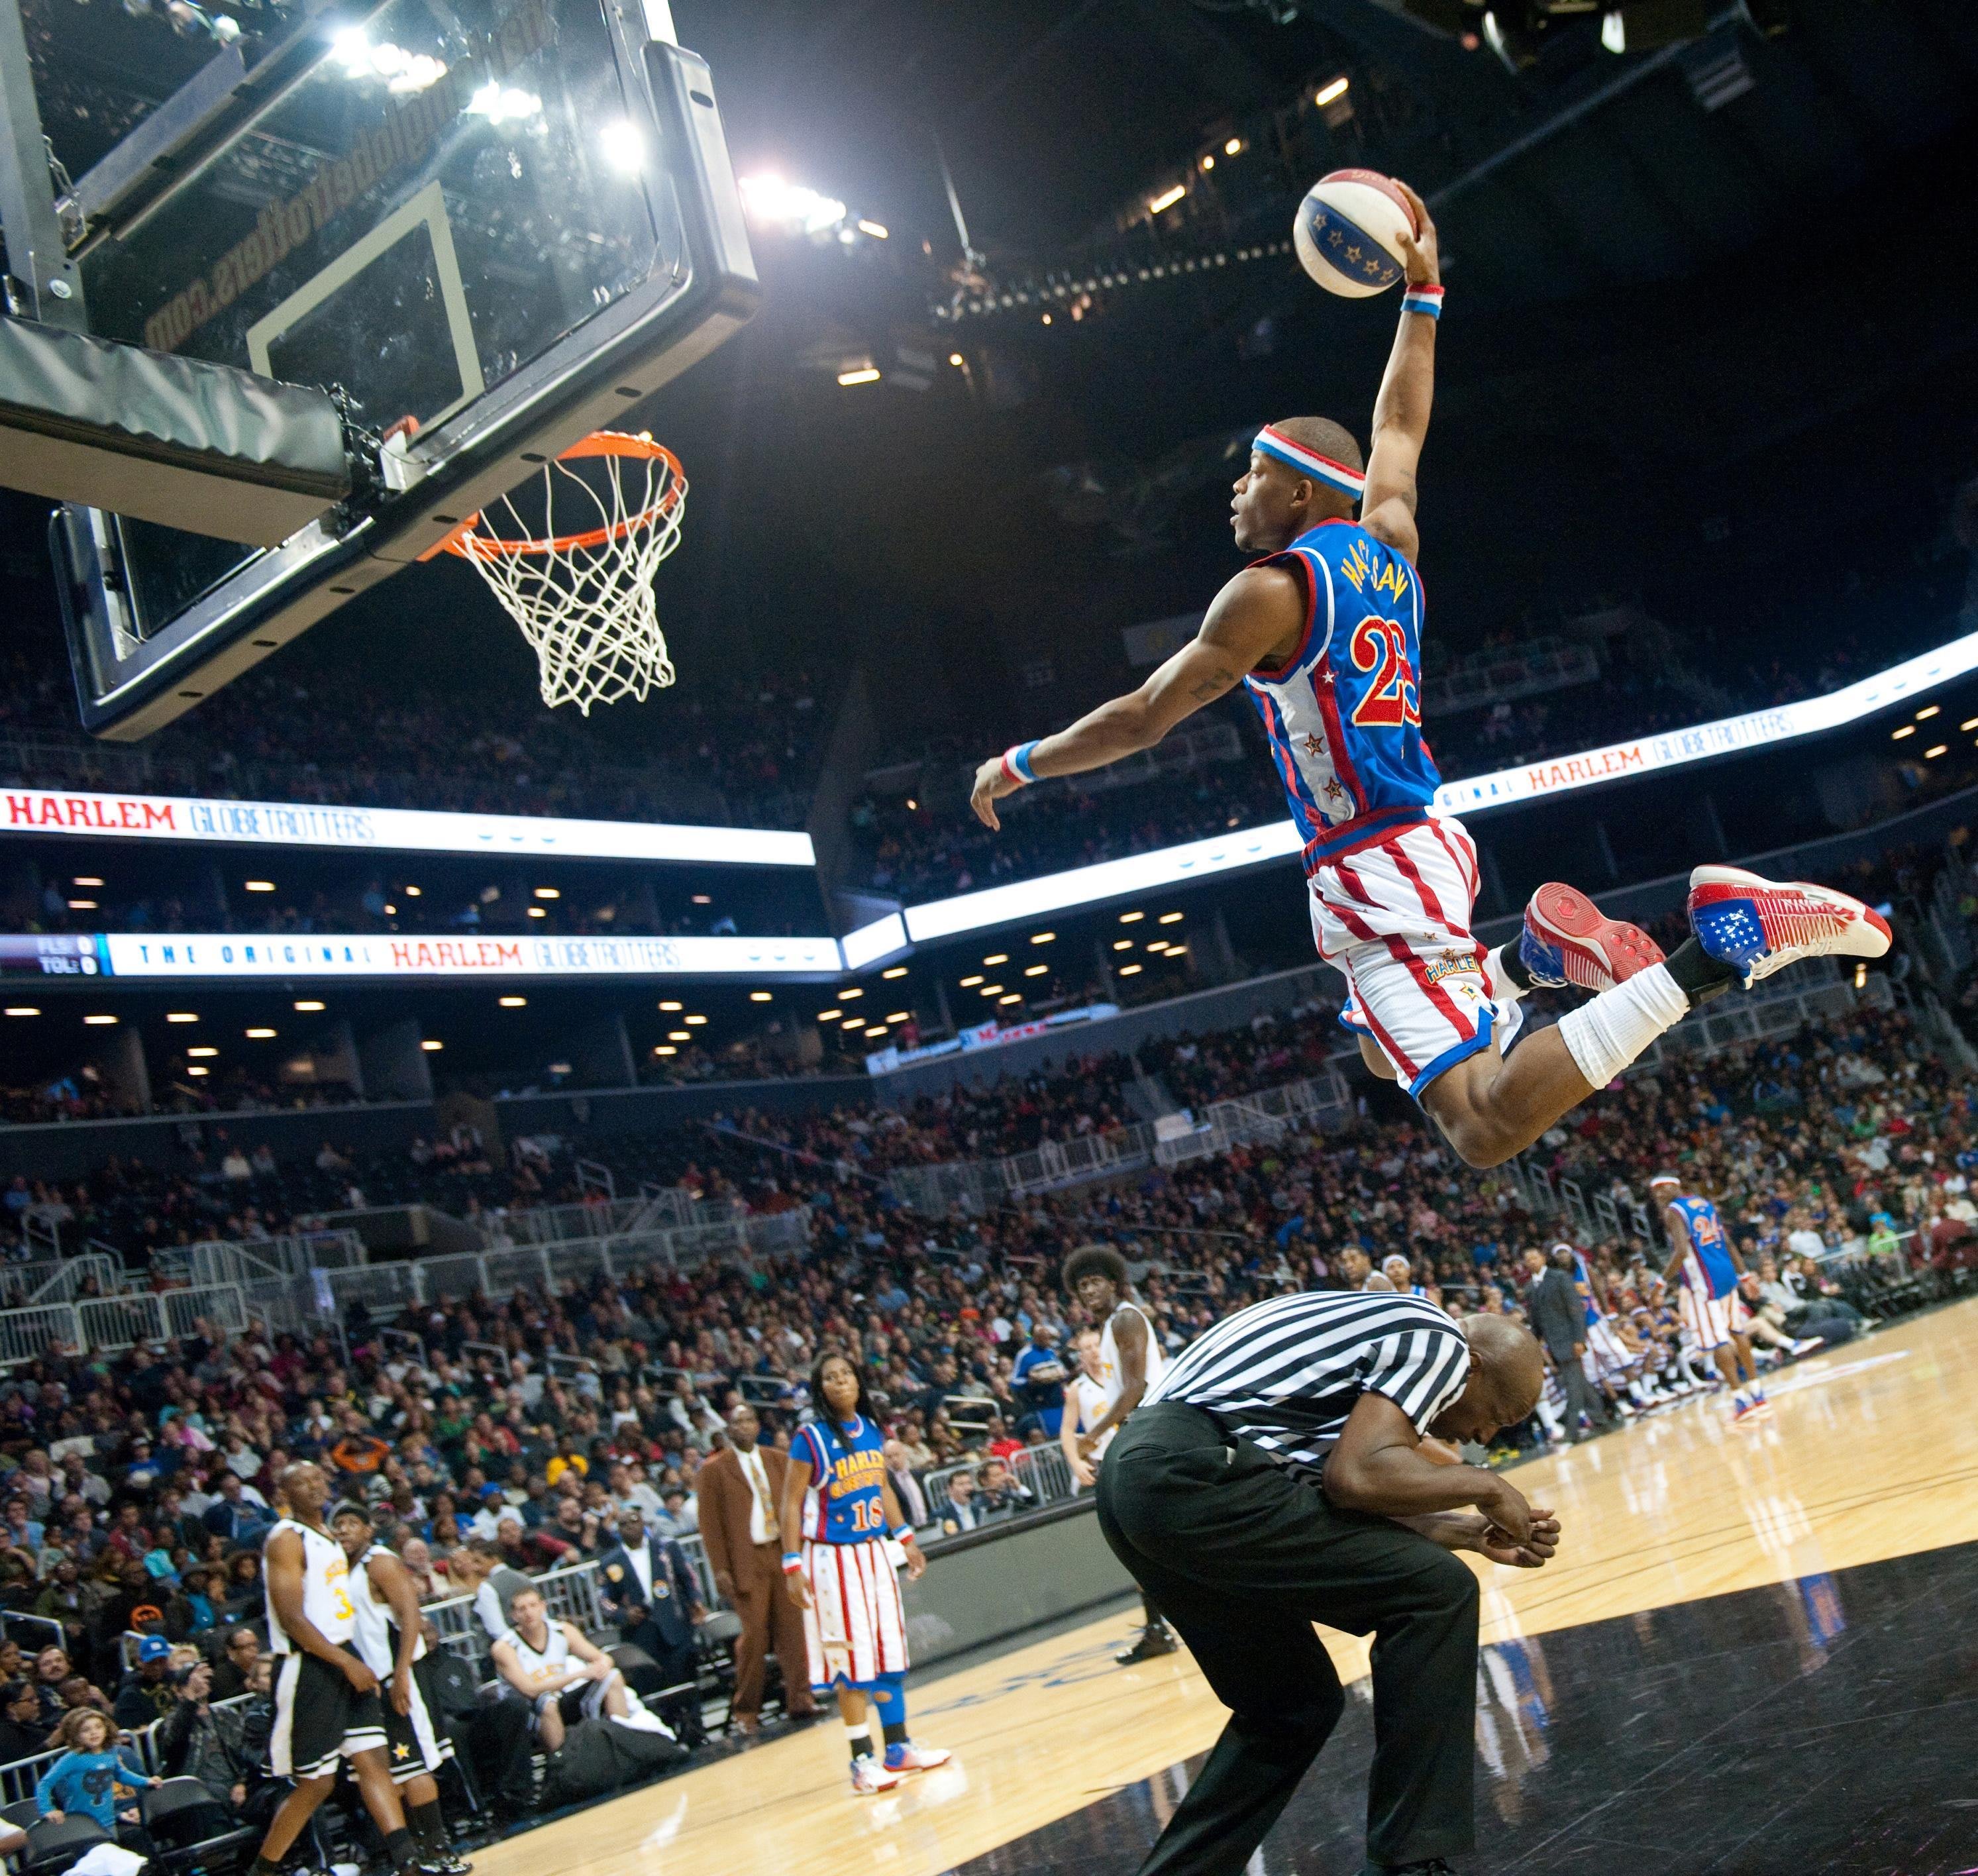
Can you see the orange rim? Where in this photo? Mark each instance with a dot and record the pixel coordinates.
(599, 443)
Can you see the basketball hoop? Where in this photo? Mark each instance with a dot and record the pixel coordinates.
(584, 598)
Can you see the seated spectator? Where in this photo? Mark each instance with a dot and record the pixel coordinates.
(998, 1490)
(551, 1665)
(22, 1733)
(146, 1693)
(234, 1670)
(239, 1513)
(961, 1513)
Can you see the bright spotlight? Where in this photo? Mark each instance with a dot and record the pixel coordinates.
(623, 148)
(789, 206)
(1327, 93)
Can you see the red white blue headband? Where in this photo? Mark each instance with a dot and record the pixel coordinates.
(1274, 442)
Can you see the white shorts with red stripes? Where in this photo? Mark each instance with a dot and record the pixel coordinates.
(1393, 916)
(1712, 1320)
(855, 1628)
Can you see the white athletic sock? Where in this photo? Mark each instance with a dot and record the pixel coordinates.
(1604, 1036)
(1504, 991)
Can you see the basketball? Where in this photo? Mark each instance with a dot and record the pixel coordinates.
(1348, 232)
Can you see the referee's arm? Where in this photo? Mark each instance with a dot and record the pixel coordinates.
(1378, 1467)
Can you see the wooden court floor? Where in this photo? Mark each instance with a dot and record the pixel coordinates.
(1873, 1453)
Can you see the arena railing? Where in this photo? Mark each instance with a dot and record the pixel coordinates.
(17, 1780)
(1041, 1470)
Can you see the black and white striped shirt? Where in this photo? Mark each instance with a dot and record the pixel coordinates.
(1284, 1374)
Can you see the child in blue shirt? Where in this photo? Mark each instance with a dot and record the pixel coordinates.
(90, 1776)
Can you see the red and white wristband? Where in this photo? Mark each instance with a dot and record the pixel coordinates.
(1425, 299)
(1017, 762)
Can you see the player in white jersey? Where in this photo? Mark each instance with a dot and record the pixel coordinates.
(1085, 1406)
(552, 1663)
(327, 1706)
(1130, 1362)
(384, 1608)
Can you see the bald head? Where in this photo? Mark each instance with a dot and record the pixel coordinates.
(1504, 1358)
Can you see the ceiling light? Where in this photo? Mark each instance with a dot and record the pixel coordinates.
(702, 898)
(664, 1048)
(547, 892)
(308, 1003)
(992, 990)
(410, 892)
(1123, 944)
(969, 983)
(391, 911)
(258, 886)
(670, 1004)
(877, 1029)
(1233, 147)
(899, 1016)
(1929, 754)
(100, 1021)
(789, 206)
(694, 1022)
(1327, 93)
(87, 880)
(829, 1016)
(679, 1035)
(23, 1009)
(559, 1068)
(182, 1016)
(522, 1002)
(1907, 729)
(1001, 956)
(873, 228)
(954, 358)
(899, 970)
(1128, 918)
(866, 374)
(536, 911)
(195, 1069)
(759, 996)
(1172, 918)
(259, 1035)
(82, 905)
(201, 1052)
(1921, 715)
(1208, 163)
(431, 1046)
(1167, 199)
(1012, 997)
(1130, 969)
(1042, 938)
(845, 995)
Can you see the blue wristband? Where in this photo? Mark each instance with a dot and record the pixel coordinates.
(792, 1560)
(1423, 299)
(900, 1535)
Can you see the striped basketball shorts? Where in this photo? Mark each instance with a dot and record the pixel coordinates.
(1712, 1320)
(1393, 917)
(855, 1628)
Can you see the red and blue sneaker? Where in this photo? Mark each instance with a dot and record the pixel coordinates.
(1569, 940)
(903, 1756)
(1757, 926)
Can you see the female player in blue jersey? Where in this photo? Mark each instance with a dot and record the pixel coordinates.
(836, 1494)
(1323, 633)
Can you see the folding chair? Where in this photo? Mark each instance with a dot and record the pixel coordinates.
(52, 1847)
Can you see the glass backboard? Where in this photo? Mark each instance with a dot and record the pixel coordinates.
(507, 219)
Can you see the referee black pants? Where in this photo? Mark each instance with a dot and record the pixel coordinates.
(1243, 1559)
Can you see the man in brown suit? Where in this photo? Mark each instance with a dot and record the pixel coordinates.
(739, 1489)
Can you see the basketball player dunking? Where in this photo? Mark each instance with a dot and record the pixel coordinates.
(1323, 633)
(1130, 1362)
(1704, 1268)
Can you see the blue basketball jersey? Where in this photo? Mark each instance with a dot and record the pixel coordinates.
(844, 1503)
(1583, 1281)
(1343, 712)
(1708, 1252)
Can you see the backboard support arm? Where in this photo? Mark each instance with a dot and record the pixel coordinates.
(42, 282)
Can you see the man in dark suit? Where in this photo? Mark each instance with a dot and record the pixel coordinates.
(738, 1492)
(1558, 1319)
(647, 1586)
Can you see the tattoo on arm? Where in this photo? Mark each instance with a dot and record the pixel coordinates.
(1213, 685)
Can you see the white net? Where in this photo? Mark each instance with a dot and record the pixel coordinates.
(582, 589)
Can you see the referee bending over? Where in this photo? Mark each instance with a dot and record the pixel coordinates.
(1272, 1478)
